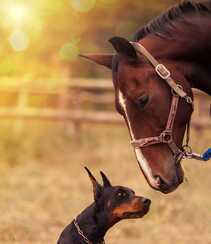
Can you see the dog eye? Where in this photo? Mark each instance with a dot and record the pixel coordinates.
(142, 100)
(122, 194)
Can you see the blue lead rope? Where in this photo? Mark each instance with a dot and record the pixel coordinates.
(207, 155)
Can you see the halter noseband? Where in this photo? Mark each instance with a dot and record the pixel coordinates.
(178, 92)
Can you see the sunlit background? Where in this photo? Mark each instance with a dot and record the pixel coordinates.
(43, 38)
(47, 97)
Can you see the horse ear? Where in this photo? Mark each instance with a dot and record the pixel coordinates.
(102, 59)
(106, 182)
(124, 47)
(97, 188)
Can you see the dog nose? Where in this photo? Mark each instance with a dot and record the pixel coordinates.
(146, 201)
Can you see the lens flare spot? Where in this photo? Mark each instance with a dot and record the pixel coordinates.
(19, 41)
(69, 51)
(83, 5)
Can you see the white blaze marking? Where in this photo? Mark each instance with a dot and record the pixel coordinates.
(139, 155)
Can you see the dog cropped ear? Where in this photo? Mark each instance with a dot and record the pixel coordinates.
(102, 59)
(97, 188)
(124, 47)
(106, 182)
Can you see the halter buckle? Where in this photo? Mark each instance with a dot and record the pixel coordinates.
(162, 71)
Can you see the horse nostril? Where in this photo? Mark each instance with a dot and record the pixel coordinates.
(164, 186)
(161, 183)
(157, 179)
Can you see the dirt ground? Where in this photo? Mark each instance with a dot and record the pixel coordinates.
(44, 190)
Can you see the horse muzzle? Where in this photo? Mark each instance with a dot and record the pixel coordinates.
(161, 180)
(166, 184)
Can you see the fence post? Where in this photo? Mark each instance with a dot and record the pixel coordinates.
(21, 106)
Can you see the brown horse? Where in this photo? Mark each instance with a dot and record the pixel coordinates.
(180, 39)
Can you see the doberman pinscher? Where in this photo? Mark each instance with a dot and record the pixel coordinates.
(111, 204)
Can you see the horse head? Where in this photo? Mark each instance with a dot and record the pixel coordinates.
(145, 101)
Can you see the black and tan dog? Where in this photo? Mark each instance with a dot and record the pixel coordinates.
(111, 204)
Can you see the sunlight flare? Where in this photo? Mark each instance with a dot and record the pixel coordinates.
(17, 13)
(19, 41)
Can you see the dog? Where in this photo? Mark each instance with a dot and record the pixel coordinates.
(111, 205)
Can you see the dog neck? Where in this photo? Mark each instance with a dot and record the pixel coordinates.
(93, 223)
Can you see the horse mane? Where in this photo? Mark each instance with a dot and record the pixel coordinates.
(179, 12)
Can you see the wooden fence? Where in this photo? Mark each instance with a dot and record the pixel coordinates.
(78, 102)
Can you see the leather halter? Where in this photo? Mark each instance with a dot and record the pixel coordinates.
(178, 92)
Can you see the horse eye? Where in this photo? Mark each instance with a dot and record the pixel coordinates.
(143, 100)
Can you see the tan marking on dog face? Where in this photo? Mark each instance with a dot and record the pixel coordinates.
(133, 206)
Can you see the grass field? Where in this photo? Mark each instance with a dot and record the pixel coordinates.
(43, 186)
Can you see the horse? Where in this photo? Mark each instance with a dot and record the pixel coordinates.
(153, 76)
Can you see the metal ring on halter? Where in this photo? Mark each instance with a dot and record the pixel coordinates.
(187, 149)
(189, 99)
(166, 136)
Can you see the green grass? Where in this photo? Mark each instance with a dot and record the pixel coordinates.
(43, 185)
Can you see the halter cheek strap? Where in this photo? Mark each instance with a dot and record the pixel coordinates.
(166, 135)
(162, 71)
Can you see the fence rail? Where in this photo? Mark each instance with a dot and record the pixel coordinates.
(78, 102)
